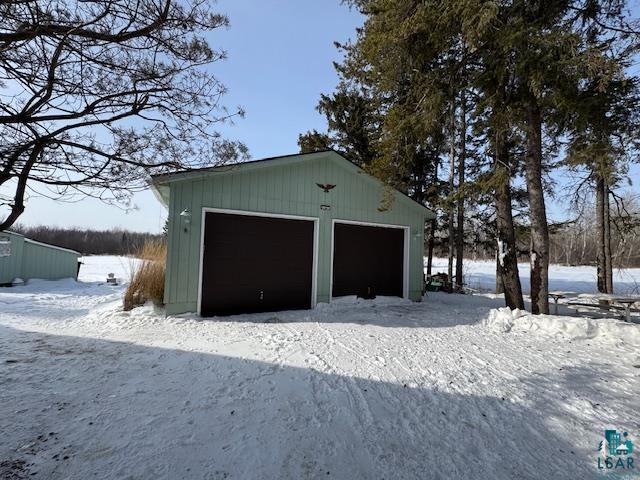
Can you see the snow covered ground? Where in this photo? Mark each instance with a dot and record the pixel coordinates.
(481, 275)
(447, 388)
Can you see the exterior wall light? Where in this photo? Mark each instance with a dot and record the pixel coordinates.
(186, 215)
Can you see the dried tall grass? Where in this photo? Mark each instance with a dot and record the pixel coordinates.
(147, 275)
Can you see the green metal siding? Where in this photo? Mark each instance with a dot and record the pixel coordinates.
(11, 266)
(48, 263)
(31, 259)
(282, 189)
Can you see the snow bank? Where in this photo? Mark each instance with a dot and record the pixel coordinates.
(354, 300)
(506, 320)
(502, 319)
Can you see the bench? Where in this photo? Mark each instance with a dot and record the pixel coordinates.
(601, 306)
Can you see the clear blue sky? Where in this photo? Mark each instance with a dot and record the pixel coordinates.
(280, 61)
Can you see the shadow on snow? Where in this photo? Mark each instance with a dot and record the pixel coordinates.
(77, 408)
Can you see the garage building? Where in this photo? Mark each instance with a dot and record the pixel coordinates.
(287, 233)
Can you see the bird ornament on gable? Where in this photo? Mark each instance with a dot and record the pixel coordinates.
(327, 187)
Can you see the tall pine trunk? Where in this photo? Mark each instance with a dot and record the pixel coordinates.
(608, 273)
(461, 167)
(430, 244)
(450, 206)
(432, 229)
(539, 249)
(499, 284)
(507, 265)
(603, 235)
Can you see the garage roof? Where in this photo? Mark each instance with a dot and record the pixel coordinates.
(160, 183)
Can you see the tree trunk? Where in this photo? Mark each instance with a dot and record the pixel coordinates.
(608, 273)
(17, 207)
(499, 284)
(539, 250)
(432, 230)
(450, 206)
(507, 264)
(601, 262)
(461, 167)
(430, 245)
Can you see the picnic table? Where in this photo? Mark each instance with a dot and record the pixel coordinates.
(557, 295)
(607, 301)
(627, 303)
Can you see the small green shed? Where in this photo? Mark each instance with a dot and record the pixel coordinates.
(286, 233)
(23, 258)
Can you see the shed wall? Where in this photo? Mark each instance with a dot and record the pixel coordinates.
(48, 263)
(289, 190)
(11, 266)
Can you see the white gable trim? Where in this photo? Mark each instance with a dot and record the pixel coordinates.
(28, 240)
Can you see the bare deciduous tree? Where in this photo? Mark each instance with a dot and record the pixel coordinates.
(95, 95)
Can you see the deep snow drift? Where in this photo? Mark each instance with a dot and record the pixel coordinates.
(447, 388)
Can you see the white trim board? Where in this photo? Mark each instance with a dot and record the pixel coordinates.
(314, 268)
(406, 256)
(55, 247)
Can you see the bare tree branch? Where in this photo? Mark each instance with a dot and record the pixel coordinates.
(99, 94)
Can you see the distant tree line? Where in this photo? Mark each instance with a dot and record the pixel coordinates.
(578, 242)
(91, 242)
(571, 243)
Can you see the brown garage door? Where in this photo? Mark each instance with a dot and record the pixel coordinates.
(256, 264)
(367, 261)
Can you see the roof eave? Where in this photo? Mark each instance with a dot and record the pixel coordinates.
(229, 168)
(155, 189)
(55, 247)
(163, 180)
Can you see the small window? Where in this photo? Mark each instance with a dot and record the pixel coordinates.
(5, 247)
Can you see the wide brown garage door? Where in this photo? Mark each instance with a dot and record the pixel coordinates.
(367, 261)
(256, 264)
